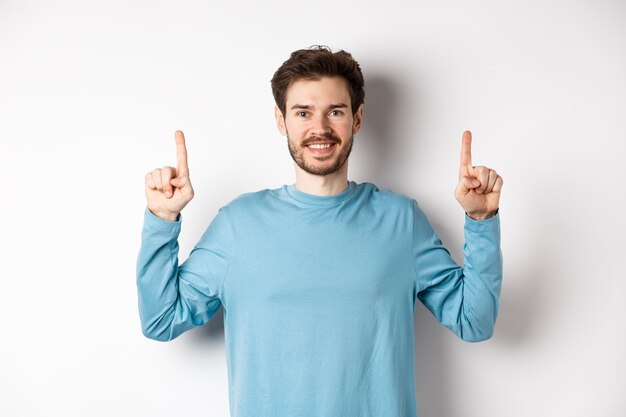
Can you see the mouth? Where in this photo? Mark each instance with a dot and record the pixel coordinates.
(321, 148)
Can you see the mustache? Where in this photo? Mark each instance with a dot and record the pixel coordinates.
(330, 137)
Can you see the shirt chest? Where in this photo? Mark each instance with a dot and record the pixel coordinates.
(337, 270)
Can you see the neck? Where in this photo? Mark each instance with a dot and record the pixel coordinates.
(325, 185)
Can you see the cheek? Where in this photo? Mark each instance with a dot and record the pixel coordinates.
(294, 131)
(344, 129)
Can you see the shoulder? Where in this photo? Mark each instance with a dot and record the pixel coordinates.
(385, 196)
(251, 200)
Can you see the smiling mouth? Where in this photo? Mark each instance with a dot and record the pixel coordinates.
(320, 145)
(321, 148)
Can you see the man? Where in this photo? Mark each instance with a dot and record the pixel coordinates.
(319, 279)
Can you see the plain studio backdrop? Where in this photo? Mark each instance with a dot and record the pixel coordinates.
(92, 92)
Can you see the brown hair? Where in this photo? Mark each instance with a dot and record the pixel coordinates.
(316, 62)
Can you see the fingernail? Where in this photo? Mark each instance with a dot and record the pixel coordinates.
(167, 194)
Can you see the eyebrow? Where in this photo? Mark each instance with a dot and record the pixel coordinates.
(307, 107)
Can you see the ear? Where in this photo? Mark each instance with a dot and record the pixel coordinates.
(358, 119)
(280, 121)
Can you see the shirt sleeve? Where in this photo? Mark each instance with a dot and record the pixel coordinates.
(463, 299)
(173, 298)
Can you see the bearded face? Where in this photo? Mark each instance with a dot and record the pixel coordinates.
(319, 124)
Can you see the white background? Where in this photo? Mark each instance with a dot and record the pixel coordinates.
(92, 92)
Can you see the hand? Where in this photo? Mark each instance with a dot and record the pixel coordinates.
(479, 187)
(168, 189)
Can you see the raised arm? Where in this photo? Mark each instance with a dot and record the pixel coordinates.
(173, 298)
(464, 299)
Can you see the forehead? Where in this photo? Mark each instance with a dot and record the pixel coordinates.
(322, 91)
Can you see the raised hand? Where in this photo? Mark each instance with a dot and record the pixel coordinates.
(479, 187)
(168, 189)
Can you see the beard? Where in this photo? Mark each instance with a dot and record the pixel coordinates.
(297, 154)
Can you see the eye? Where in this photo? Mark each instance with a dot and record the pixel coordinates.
(335, 113)
(301, 114)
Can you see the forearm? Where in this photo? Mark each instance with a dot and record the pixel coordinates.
(482, 278)
(462, 298)
(157, 278)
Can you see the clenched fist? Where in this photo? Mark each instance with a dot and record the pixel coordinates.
(168, 189)
(479, 187)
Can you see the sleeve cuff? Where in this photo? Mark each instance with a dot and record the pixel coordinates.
(482, 224)
(156, 223)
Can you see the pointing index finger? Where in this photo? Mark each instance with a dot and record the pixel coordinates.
(466, 149)
(182, 169)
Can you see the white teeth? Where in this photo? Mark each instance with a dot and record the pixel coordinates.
(320, 146)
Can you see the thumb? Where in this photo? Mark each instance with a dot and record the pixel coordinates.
(468, 183)
(179, 182)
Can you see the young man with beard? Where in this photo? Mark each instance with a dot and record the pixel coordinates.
(319, 279)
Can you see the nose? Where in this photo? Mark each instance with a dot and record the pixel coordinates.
(320, 125)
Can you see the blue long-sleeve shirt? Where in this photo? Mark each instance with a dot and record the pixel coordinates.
(319, 295)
